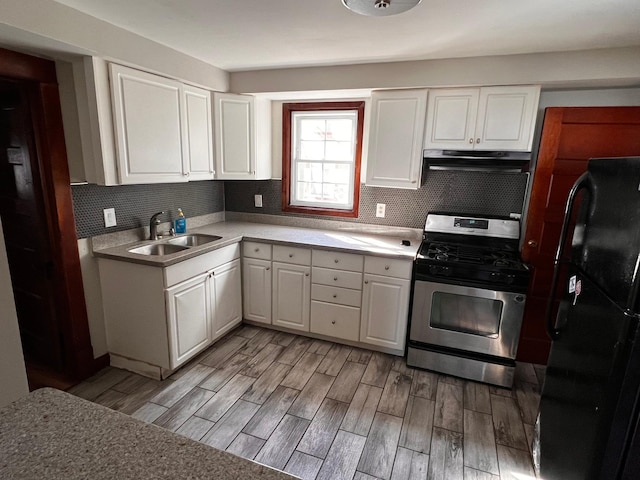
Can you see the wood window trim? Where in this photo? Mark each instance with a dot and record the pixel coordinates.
(287, 111)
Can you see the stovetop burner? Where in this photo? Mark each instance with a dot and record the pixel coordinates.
(471, 255)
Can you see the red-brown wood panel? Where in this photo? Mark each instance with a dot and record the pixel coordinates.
(570, 137)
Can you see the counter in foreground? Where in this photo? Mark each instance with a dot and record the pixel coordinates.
(52, 434)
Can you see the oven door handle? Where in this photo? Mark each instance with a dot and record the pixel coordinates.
(584, 182)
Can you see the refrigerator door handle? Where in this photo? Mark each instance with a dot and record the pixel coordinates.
(582, 183)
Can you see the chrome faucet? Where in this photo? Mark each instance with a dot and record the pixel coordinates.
(153, 226)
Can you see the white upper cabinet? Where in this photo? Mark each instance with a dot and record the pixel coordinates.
(395, 138)
(487, 118)
(242, 137)
(198, 133)
(148, 130)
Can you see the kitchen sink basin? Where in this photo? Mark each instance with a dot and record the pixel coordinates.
(158, 249)
(193, 240)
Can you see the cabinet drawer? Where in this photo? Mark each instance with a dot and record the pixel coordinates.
(339, 260)
(337, 321)
(296, 255)
(336, 278)
(202, 263)
(342, 296)
(388, 267)
(256, 250)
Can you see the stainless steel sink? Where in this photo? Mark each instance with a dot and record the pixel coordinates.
(158, 249)
(193, 240)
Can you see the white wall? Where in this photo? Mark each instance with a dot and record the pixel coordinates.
(587, 68)
(13, 376)
(50, 27)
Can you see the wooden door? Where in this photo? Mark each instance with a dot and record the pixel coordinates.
(570, 137)
(28, 247)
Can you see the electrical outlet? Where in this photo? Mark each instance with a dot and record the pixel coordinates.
(380, 209)
(109, 217)
(257, 199)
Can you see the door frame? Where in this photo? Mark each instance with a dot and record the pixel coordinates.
(52, 178)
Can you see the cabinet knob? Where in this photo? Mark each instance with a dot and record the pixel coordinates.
(306, 274)
(268, 268)
(335, 279)
(366, 281)
(257, 250)
(532, 243)
(477, 140)
(386, 267)
(185, 174)
(335, 296)
(333, 322)
(336, 260)
(414, 181)
(291, 255)
(471, 140)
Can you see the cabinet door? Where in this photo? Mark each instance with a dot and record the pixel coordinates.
(451, 118)
(198, 133)
(226, 297)
(291, 295)
(256, 291)
(188, 315)
(395, 138)
(506, 117)
(385, 307)
(148, 131)
(234, 137)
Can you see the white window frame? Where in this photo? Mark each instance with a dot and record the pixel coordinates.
(296, 119)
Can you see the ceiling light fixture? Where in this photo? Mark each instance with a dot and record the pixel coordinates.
(380, 8)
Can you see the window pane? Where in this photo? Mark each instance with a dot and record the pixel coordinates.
(311, 150)
(339, 151)
(340, 129)
(309, 192)
(337, 173)
(309, 172)
(312, 129)
(335, 193)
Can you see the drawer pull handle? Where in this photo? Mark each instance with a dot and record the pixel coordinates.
(336, 260)
(291, 255)
(333, 322)
(366, 281)
(335, 296)
(386, 267)
(335, 279)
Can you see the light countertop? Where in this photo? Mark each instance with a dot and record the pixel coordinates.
(234, 232)
(52, 434)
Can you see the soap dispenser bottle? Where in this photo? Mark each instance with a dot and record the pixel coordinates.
(180, 222)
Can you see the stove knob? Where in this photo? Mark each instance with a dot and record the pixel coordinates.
(495, 277)
(446, 271)
(511, 279)
(433, 270)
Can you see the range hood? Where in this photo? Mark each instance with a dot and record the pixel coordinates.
(478, 160)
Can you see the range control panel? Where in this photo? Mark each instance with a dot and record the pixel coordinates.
(471, 223)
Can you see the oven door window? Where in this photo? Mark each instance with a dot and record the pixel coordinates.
(465, 314)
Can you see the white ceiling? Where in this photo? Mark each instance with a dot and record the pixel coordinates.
(258, 34)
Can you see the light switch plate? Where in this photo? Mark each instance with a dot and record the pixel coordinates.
(257, 200)
(110, 217)
(380, 209)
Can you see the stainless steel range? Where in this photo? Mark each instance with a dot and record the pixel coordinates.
(469, 294)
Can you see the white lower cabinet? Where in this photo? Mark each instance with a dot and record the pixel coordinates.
(189, 317)
(338, 321)
(291, 295)
(158, 318)
(256, 290)
(226, 298)
(385, 306)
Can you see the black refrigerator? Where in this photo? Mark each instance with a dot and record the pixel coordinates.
(589, 409)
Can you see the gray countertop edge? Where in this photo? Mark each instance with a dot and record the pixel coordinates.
(235, 232)
(52, 434)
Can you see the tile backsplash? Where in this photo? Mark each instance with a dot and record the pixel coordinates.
(488, 193)
(134, 204)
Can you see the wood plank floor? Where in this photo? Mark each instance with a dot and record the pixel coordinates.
(320, 410)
